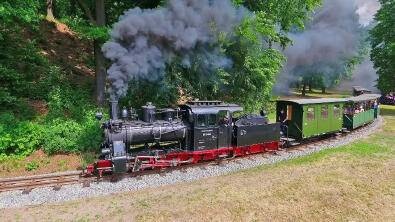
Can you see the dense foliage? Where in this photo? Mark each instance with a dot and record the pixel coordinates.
(27, 75)
(383, 46)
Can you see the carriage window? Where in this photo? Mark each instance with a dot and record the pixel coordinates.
(324, 111)
(336, 110)
(212, 120)
(201, 120)
(310, 113)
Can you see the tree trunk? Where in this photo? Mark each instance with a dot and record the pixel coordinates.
(304, 89)
(100, 71)
(323, 89)
(310, 85)
(50, 16)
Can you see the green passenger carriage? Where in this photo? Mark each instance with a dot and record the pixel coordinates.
(360, 110)
(312, 117)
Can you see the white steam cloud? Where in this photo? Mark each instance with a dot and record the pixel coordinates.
(366, 10)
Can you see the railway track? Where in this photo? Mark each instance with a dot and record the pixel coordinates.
(27, 184)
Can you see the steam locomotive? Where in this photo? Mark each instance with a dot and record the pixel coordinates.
(196, 131)
(209, 130)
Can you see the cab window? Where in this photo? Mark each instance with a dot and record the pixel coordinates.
(201, 121)
(212, 119)
(310, 113)
(324, 112)
(224, 118)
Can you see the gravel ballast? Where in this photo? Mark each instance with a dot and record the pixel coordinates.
(76, 191)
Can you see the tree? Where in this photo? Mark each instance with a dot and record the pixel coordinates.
(100, 68)
(21, 63)
(383, 46)
(95, 27)
(50, 16)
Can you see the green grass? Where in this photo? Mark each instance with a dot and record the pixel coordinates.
(32, 165)
(61, 163)
(318, 94)
(387, 110)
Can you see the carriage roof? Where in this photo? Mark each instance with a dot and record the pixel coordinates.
(364, 97)
(314, 101)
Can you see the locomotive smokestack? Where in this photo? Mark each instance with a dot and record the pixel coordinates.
(149, 112)
(114, 109)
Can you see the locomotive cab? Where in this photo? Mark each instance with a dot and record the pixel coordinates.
(211, 124)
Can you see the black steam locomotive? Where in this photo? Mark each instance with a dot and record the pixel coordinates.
(194, 132)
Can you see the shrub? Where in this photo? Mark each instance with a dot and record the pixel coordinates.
(61, 136)
(70, 136)
(18, 137)
(32, 165)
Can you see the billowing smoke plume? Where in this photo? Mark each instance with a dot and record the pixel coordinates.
(144, 41)
(366, 10)
(322, 48)
(364, 75)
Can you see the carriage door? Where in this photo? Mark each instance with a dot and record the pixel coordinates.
(224, 129)
(206, 132)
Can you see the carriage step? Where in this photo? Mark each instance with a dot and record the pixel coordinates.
(294, 144)
(287, 139)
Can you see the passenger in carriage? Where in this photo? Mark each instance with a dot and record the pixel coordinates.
(356, 109)
(347, 110)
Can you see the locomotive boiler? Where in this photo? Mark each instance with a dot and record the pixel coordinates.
(148, 130)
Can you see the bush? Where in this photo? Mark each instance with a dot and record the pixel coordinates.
(32, 165)
(70, 136)
(61, 136)
(18, 137)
